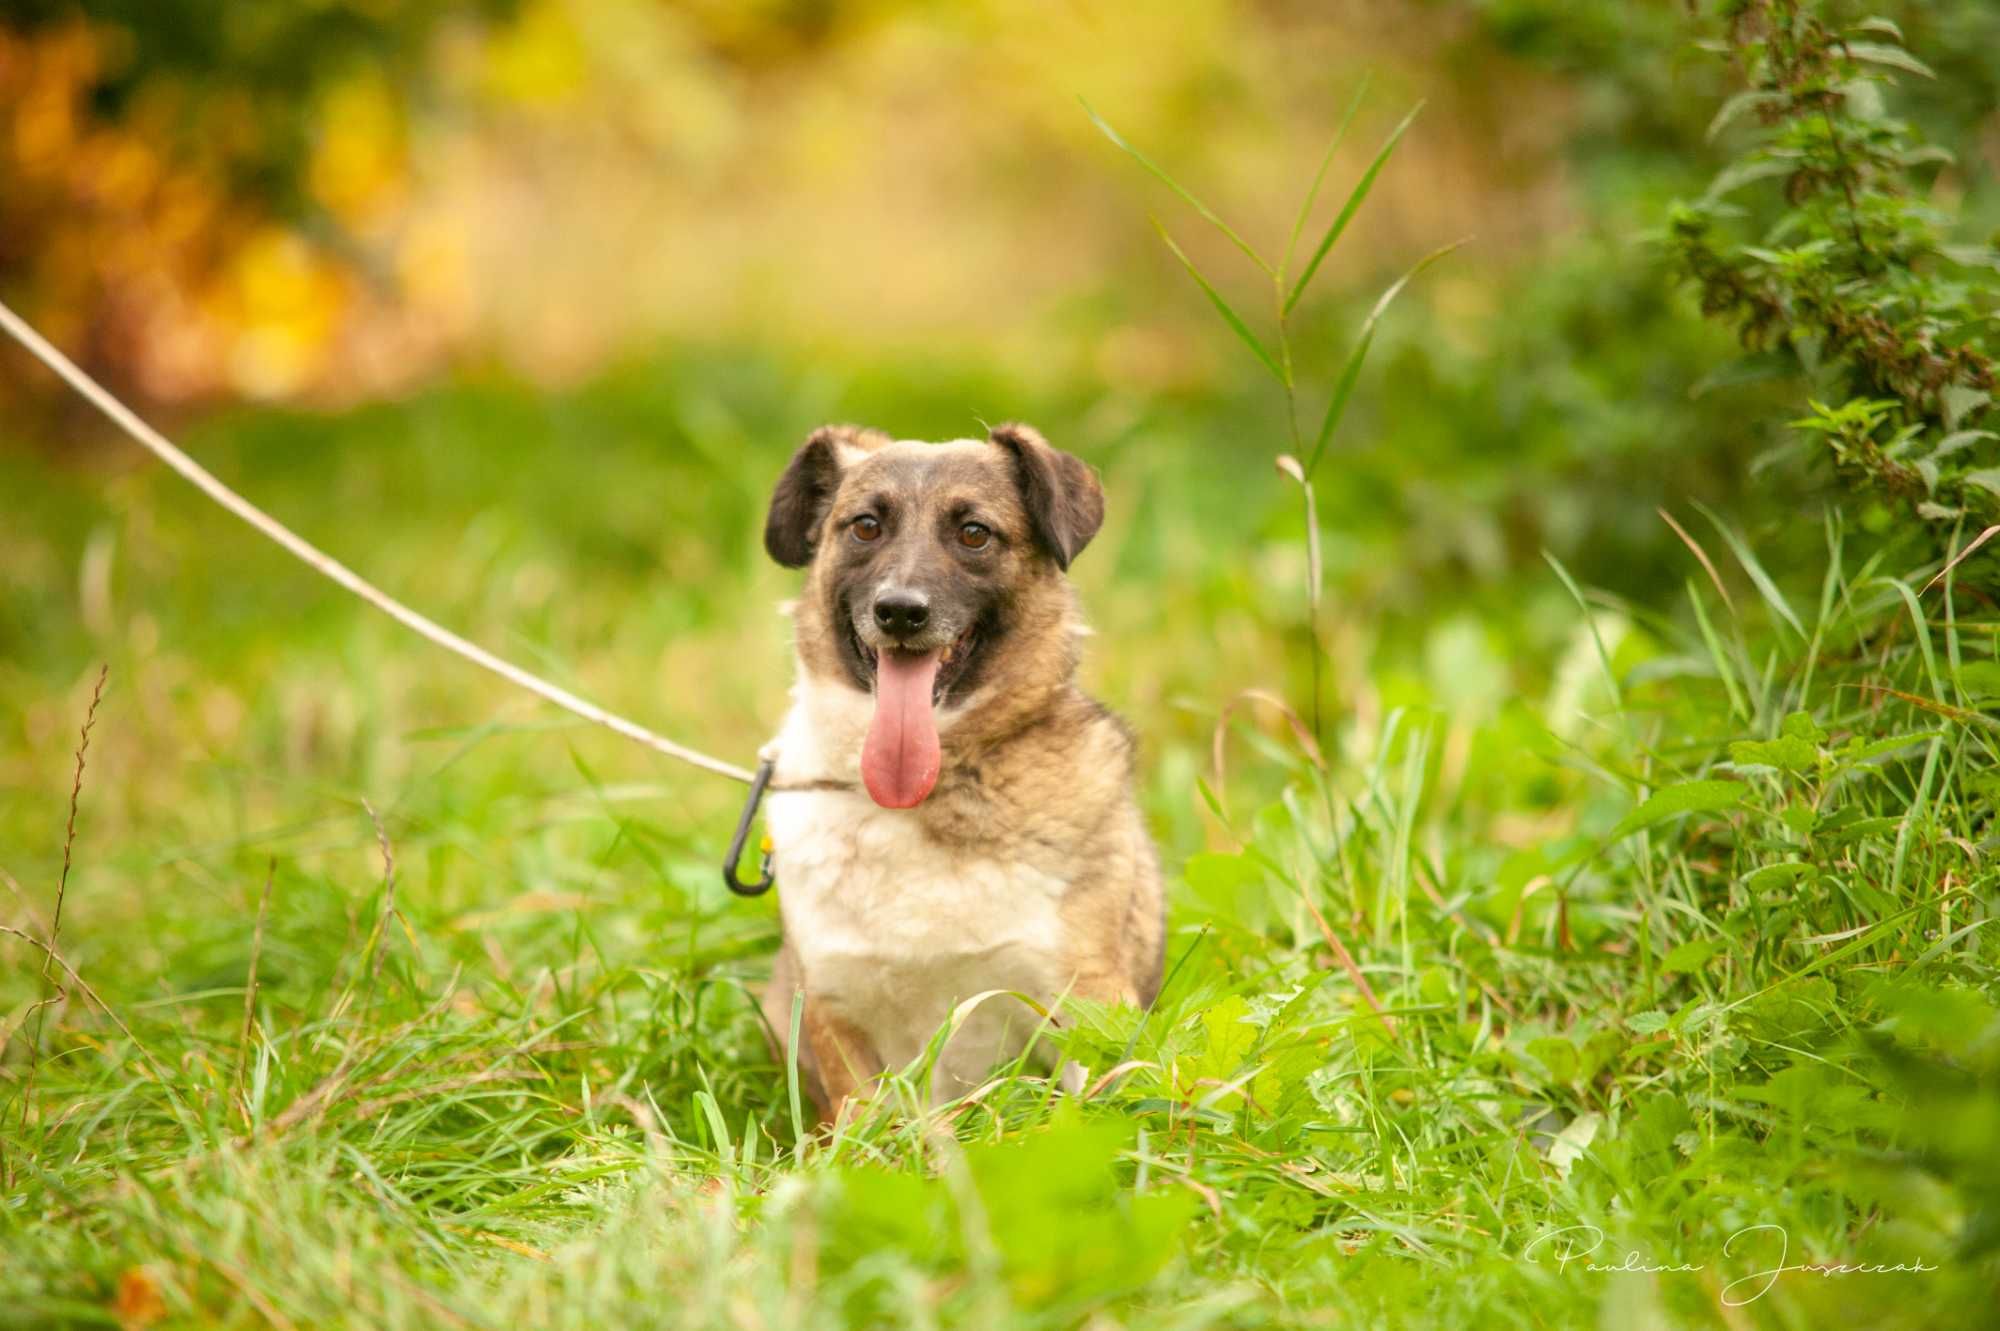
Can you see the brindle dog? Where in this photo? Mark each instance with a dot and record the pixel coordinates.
(951, 815)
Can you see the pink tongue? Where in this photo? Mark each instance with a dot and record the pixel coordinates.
(899, 759)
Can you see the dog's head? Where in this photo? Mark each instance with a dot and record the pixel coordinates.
(935, 570)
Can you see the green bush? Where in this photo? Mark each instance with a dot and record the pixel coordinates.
(1819, 245)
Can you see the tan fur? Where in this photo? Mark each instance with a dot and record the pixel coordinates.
(1034, 800)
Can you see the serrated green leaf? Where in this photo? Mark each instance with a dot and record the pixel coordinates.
(1597, 1050)
(1860, 751)
(1860, 829)
(1230, 1038)
(1061, 1222)
(1887, 27)
(1791, 1010)
(1690, 956)
(1980, 679)
(1281, 1085)
(1778, 875)
(877, 1210)
(1986, 478)
(1224, 883)
(1957, 441)
(1801, 725)
(1787, 753)
(1558, 1055)
(1971, 256)
(1958, 400)
(1673, 801)
(1734, 108)
(1647, 1023)
(1864, 99)
(1735, 177)
(1889, 56)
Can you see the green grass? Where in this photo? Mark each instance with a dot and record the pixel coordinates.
(1677, 916)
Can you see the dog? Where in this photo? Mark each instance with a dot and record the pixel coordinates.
(949, 813)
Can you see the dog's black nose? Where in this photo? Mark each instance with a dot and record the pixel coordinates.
(902, 613)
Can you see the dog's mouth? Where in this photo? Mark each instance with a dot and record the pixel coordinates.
(901, 756)
(953, 660)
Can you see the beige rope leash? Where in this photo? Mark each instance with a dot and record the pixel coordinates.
(156, 443)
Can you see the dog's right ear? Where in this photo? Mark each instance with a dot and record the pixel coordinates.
(799, 504)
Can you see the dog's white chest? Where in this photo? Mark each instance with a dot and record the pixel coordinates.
(896, 929)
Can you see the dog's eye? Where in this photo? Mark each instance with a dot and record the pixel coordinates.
(974, 535)
(867, 527)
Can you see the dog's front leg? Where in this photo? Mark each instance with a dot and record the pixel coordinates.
(842, 1054)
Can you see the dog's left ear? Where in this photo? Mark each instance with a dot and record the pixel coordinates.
(1061, 493)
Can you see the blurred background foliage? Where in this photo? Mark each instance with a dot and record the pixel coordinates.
(322, 202)
(519, 306)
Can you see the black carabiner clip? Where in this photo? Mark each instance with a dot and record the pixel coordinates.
(743, 825)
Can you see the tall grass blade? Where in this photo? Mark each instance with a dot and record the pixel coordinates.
(1234, 320)
(1723, 670)
(1349, 372)
(1964, 555)
(1758, 577)
(792, 1068)
(1289, 465)
(1159, 173)
(1348, 209)
(1589, 622)
(1914, 818)
(1319, 176)
(1922, 627)
(1830, 589)
(1700, 554)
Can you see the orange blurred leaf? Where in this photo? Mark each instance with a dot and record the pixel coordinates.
(138, 1302)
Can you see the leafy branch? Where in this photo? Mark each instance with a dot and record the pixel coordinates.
(1852, 275)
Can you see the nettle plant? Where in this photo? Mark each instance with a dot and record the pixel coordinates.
(1822, 245)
